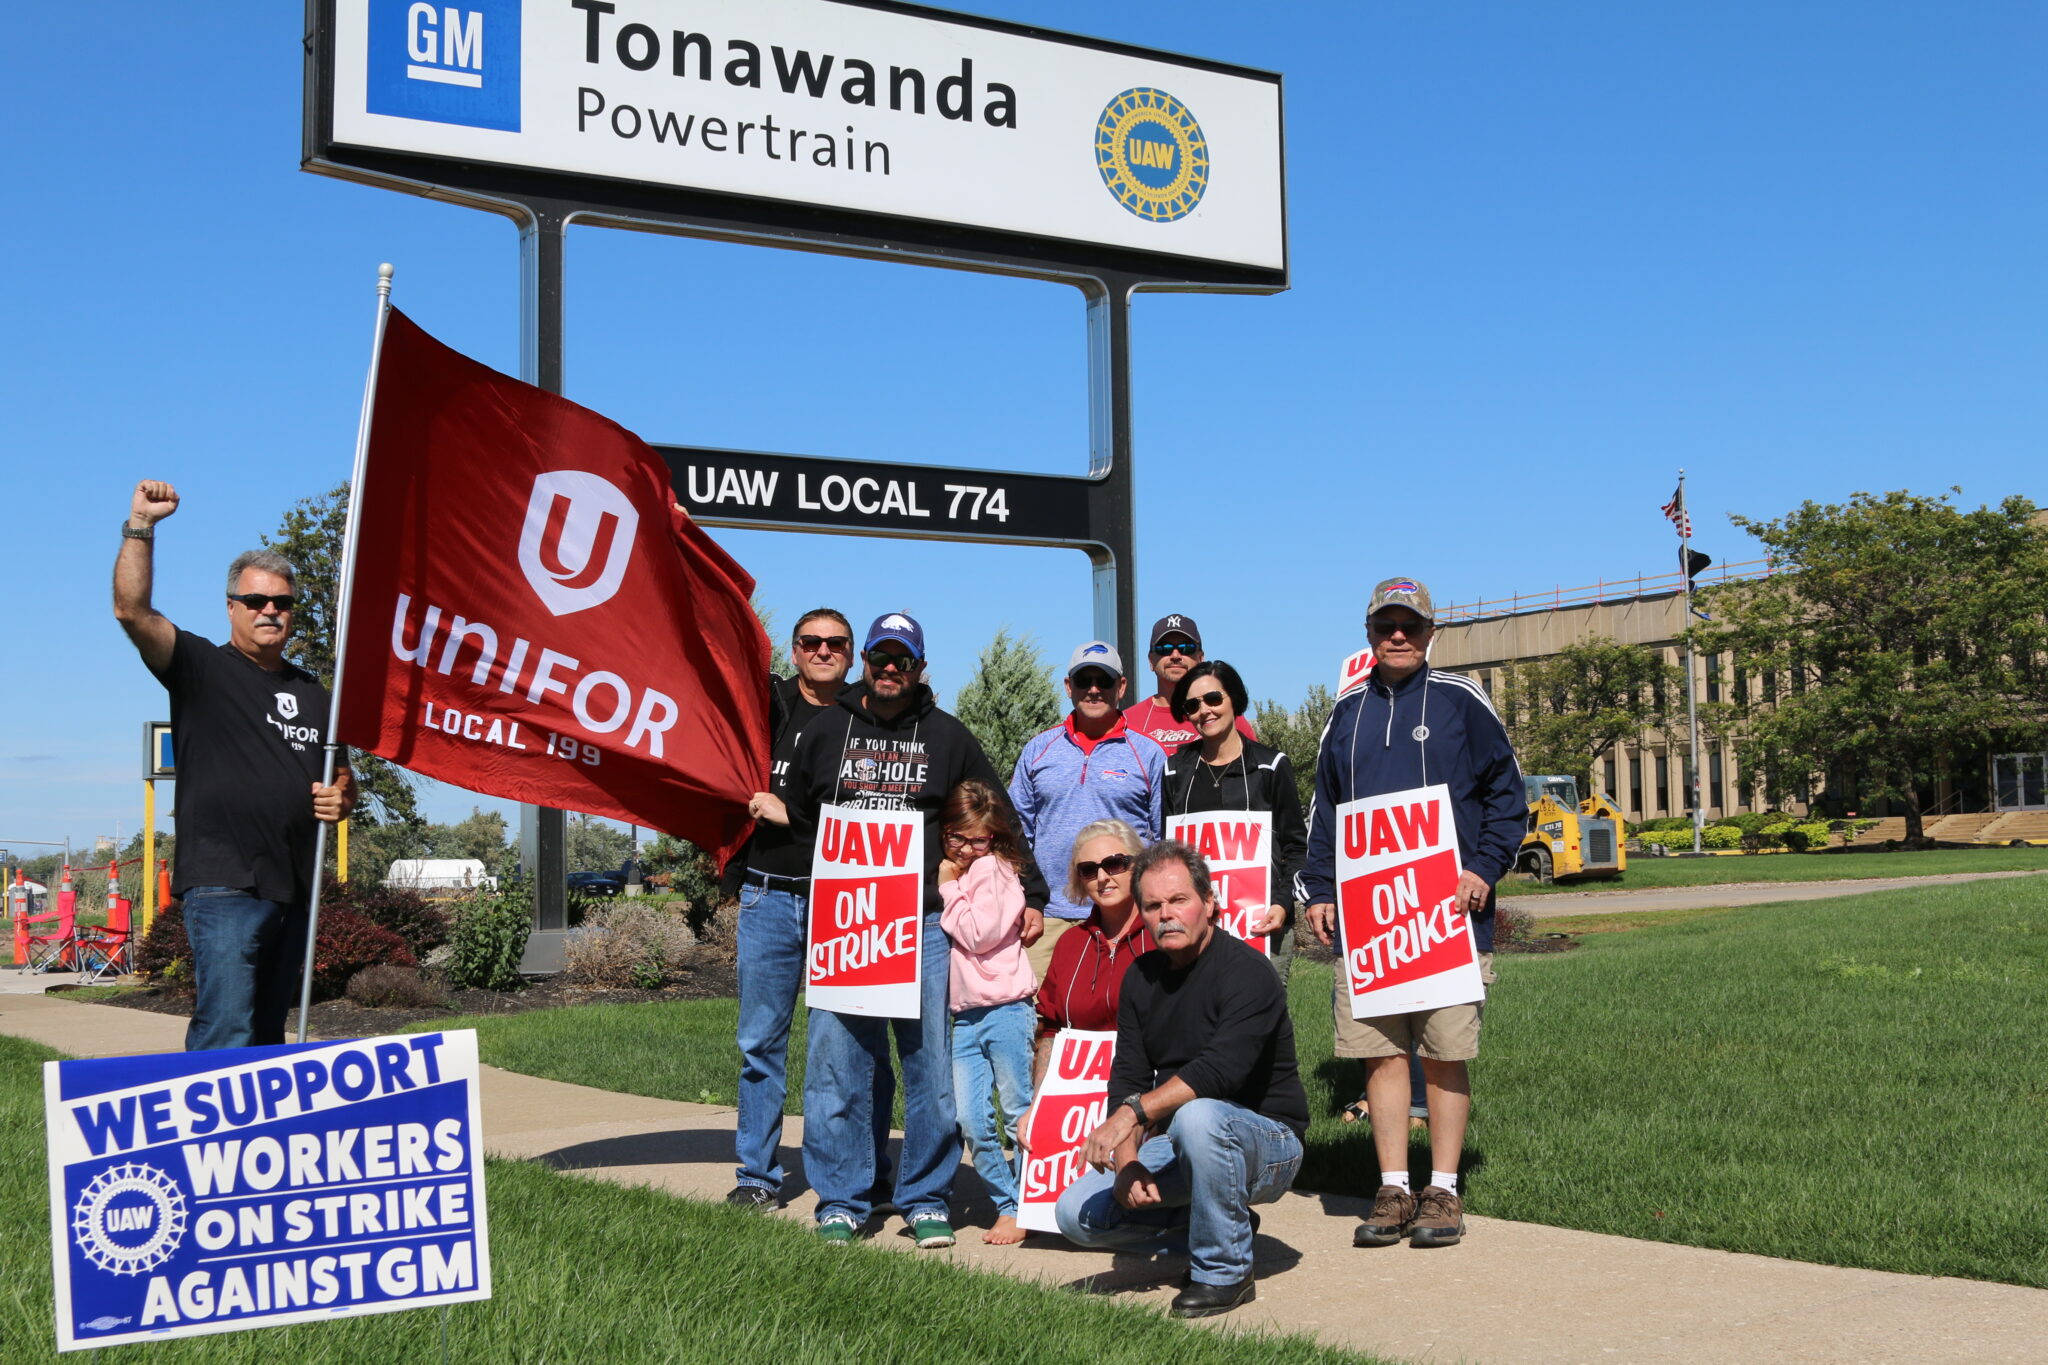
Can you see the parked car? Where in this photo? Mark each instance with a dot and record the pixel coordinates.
(597, 883)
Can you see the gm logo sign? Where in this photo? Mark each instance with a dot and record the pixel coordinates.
(447, 63)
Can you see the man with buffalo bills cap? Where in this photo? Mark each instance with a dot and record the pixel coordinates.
(1407, 727)
(886, 745)
(1091, 766)
(1176, 647)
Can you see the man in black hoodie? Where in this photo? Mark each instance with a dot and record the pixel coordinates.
(888, 746)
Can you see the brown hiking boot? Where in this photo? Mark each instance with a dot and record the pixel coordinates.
(1392, 1210)
(1439, 1219)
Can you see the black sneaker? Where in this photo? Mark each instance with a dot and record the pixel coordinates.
(1207, 1300)
(751, 1197)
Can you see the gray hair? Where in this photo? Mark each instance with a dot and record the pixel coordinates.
(263, 561)
(1077, 892)
(1173, 851)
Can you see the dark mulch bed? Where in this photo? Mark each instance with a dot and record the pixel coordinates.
(706, 974)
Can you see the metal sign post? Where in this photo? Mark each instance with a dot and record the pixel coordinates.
(968, 144)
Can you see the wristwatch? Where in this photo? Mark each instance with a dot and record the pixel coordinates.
(1135, 1102)
(130, 533)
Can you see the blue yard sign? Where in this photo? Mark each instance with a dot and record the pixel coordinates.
(205, 1192)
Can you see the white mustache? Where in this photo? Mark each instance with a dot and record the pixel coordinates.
(1168, 926)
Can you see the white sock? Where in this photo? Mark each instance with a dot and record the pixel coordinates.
(1445, 1180)
(1398, 1179)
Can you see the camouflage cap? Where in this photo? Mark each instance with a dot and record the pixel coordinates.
(1402, 592)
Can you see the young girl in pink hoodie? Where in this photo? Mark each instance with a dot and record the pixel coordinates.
(991, 986)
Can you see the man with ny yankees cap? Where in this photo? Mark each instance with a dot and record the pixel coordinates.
(1091, 766)
(1176, 647)
(1407, 727)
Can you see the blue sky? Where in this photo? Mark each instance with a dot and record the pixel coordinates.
(1543, 256)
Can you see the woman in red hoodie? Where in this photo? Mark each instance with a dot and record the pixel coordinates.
(1084, 981)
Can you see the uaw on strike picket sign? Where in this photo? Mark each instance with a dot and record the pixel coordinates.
(1238, 846)
(1407, 946)
(1072, 1101)
(867, 913)
(207, 1192)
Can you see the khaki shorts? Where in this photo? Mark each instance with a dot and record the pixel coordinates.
(1450, 1034)
(1039, 954)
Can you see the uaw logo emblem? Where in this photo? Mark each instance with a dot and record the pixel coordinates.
(1152, 154)
(576, 541)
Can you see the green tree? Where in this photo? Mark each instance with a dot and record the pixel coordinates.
(483, 836)
(310, 536)
(1566, 712)
(1901, 636)
(1297, 733)
(595, 846)
(1009, 699)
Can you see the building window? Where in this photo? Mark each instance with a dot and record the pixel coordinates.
(1714, 779)
(1608, 772)
(1635, 785)
(1486, 681)
(1714, 677)
(1663, 785)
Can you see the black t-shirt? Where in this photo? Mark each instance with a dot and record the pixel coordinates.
(1221, 1026)
(775, 849)
(249, 751)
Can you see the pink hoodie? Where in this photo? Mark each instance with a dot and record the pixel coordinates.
(984, 916)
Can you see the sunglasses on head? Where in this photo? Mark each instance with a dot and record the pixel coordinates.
(1204, 699)
(1176, 648)
(811, 644)
(879, 659)
(257, 601)
(1113, 864)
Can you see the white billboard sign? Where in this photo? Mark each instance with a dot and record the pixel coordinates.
(851, 106)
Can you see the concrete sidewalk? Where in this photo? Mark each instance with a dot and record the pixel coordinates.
(1549, 906)
(1513, 1292)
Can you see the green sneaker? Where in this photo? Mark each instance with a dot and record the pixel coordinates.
(837, 1230)
(931, 1230)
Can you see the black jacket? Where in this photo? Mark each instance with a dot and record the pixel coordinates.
(1263, 780)
(851, 757)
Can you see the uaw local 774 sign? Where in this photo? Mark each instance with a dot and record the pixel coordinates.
(1072, 1101)
(1238, 846)
(211, 1191)
(867, 912)
(1407, 946)
(894, 111)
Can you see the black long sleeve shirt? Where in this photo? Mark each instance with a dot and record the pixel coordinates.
(1220, 1024)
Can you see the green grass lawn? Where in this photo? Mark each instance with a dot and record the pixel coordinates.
(585, 1271)
(1653, 873)
(1856, 1082)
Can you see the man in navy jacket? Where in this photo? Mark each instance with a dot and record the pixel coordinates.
(1409, 727)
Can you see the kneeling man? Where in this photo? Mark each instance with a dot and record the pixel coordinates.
(1209, 1107)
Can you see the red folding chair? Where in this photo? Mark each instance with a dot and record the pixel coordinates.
(105, 951)
(57, 950)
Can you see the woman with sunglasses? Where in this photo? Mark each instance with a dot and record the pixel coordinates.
(1084, 982)
(1224, 771)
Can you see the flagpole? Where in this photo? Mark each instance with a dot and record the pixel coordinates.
(344, 593)
(1692, 712)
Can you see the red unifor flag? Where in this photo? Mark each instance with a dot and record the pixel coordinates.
(531, 616)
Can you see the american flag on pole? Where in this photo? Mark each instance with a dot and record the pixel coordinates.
(1675, 509)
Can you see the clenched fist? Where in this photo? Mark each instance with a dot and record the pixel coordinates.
(154, 500)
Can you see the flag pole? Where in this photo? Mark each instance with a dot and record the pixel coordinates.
(1692, 713)
(344, 592)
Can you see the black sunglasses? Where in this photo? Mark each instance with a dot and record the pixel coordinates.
(1413, 630)
(1113, 864)
(257, 601)
(811, 644)
(1093, 682)
(1176, 649)
(879, 659)
(1205, 699)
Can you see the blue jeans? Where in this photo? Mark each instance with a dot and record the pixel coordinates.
(1214, 1161)
(992, 1047)
(247, 955)
(849, 1057)
(771, 968)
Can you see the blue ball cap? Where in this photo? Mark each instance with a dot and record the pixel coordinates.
(897, 626)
